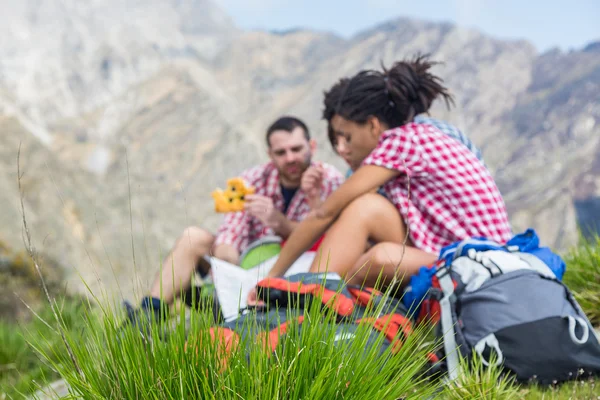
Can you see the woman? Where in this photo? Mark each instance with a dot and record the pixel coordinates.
(439, 191)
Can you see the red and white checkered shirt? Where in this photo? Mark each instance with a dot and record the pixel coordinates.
(240, 229)
(452, 195)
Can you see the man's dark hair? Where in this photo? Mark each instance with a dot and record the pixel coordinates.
(394, 96)
(287, 124)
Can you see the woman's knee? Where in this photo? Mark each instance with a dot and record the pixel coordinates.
(368, 268)
(383, 253)
(369, 205)
(379, 217)
(383, 261)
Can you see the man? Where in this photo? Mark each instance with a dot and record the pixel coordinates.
(282, 199)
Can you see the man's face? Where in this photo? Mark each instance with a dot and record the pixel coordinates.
(291, 153)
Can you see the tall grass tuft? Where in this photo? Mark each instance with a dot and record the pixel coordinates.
(583, 276)
(480, 382)
(312, 360)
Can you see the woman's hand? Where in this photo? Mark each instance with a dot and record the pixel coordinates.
(252, 299)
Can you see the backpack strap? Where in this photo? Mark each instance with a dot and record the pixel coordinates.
(224, 339)
(364, 296)
(278, 289)
(536, 264)
(450, 346)
(582, 319)
(391, 325)
(270, 339)
(225, 336)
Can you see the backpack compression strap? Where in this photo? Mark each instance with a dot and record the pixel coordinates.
(450, 346)
(364, 296)
(278, 289)
(391, 325)
(270, 339)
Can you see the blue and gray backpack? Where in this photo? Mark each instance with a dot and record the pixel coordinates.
(508, 301)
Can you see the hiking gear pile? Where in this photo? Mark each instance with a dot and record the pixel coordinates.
(287, 300)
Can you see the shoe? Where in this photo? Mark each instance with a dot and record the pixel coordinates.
(142, 319)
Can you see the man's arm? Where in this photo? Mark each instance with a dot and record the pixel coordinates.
(364, 180)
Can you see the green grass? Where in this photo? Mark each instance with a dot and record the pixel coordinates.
(108, 362)
(477, 382)
(111, 362)
(22, 369)
(583, 276)
(585, 389)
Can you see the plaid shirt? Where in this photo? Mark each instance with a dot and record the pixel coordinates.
(240, 229)
(446, 128)
(452, 195)
(451, 131)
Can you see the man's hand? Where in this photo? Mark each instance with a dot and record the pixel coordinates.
(262, 207)
(311, 183)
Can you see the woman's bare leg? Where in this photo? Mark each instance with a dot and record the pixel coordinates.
(379, 264)
(369, 217)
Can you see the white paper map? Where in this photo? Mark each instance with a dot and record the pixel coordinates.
(232, 283)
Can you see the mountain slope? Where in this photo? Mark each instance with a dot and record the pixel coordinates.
(127, 128)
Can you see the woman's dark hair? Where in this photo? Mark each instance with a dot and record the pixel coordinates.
(332, 99)
(394, 96)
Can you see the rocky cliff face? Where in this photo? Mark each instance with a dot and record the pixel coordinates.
(551, 174)
(62, 57)
(129, 113)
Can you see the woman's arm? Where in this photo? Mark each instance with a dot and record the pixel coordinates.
(364, 180)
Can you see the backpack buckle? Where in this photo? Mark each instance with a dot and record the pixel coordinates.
(442, 272)
(435, 294)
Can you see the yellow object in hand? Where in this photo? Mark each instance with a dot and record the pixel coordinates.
(233, 197)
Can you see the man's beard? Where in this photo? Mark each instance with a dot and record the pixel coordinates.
(294, 177)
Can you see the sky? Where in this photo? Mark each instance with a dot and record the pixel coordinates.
(547, 24)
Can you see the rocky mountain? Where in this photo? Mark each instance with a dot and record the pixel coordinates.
(62, 57)
(129, 113)
(551, 176)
